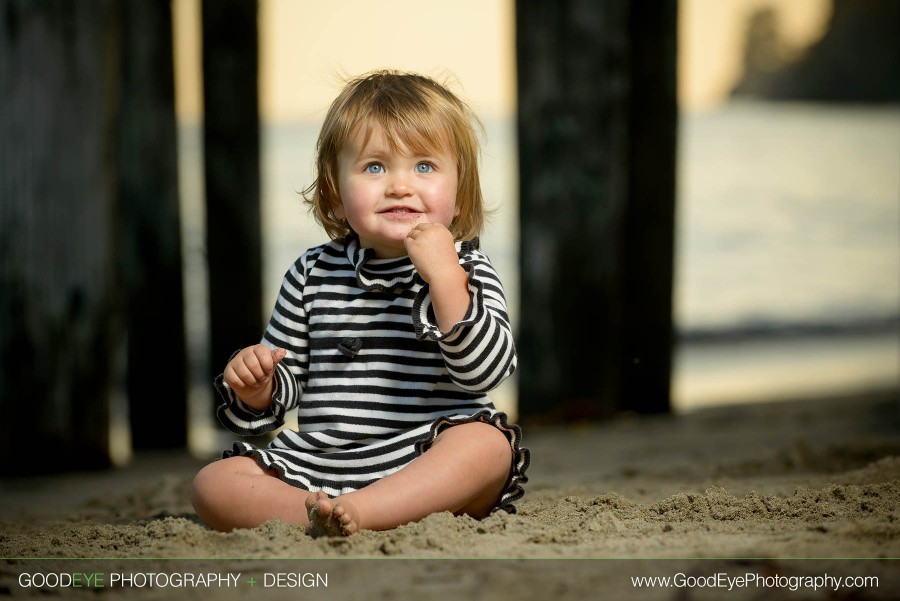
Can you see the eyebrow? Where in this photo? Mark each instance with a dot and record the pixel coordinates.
(383, 153)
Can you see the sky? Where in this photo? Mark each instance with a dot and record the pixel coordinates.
(307, 45)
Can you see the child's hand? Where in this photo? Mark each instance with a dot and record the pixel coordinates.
(250, 373)
(430, 247)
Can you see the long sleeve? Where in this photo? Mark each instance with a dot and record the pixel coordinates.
(288, 328)
(479, 351)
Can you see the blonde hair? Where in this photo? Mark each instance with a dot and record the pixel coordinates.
(413, 109)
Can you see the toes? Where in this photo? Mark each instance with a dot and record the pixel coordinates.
(313, 501)
(344, 520)
(327, 519)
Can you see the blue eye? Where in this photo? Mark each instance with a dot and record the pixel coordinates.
(424, 168)
(374, 168)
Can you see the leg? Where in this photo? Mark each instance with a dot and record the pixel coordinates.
(237, 493)
(464, 472)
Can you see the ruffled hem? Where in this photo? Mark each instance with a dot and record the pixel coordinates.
(268, 459)
(521, 456)
(262, 458)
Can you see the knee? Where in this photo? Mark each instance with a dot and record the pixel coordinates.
(495, 443)
(204, 489)
(490, 445)
(212, 486)
(487, 455)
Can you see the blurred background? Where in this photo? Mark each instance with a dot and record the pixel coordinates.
(788, 212)
(785, 261)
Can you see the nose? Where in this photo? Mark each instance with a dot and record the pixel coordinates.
(398, 185)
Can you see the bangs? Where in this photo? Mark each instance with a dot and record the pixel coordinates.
(419, 131)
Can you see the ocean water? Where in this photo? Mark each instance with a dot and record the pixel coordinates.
(788, 252)
(787, 255)
(788, 215)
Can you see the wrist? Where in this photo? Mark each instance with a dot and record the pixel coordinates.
(262, 400)
(454, 278)
(450, 298)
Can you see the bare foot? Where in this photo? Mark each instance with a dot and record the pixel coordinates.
(329, 519)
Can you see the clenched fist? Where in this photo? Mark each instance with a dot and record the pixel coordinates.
(249, 374)
(431, 249)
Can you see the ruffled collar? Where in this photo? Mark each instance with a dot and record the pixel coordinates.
(374, 274)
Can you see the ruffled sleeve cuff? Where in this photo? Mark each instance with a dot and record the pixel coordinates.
(425, 321)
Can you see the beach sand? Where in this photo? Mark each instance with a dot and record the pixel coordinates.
(779, 490)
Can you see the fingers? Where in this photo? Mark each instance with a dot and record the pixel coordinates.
(253, 366)
(431, 249)
(426, 228)
(427, 234)
(265, 361)
(277, 355)
(237, 376)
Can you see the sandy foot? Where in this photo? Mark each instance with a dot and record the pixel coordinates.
(327, 518)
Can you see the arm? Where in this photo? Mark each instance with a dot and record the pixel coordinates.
(430, 247)
(262, 382)
(478, 349)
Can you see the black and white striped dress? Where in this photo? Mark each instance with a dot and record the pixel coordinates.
(372, 378)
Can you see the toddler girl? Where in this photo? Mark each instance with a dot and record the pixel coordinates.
(385, 340)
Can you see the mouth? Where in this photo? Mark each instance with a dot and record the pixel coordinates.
(400, 211)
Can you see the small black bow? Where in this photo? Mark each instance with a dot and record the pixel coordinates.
(350, 346)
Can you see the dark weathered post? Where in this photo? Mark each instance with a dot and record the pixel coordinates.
(61, 326)
(151, 232)
(645, 355)
(231, 150)
(597, 122)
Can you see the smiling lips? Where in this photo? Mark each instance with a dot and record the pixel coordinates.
(400, 211)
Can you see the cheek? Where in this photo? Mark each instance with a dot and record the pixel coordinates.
(454, 194)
